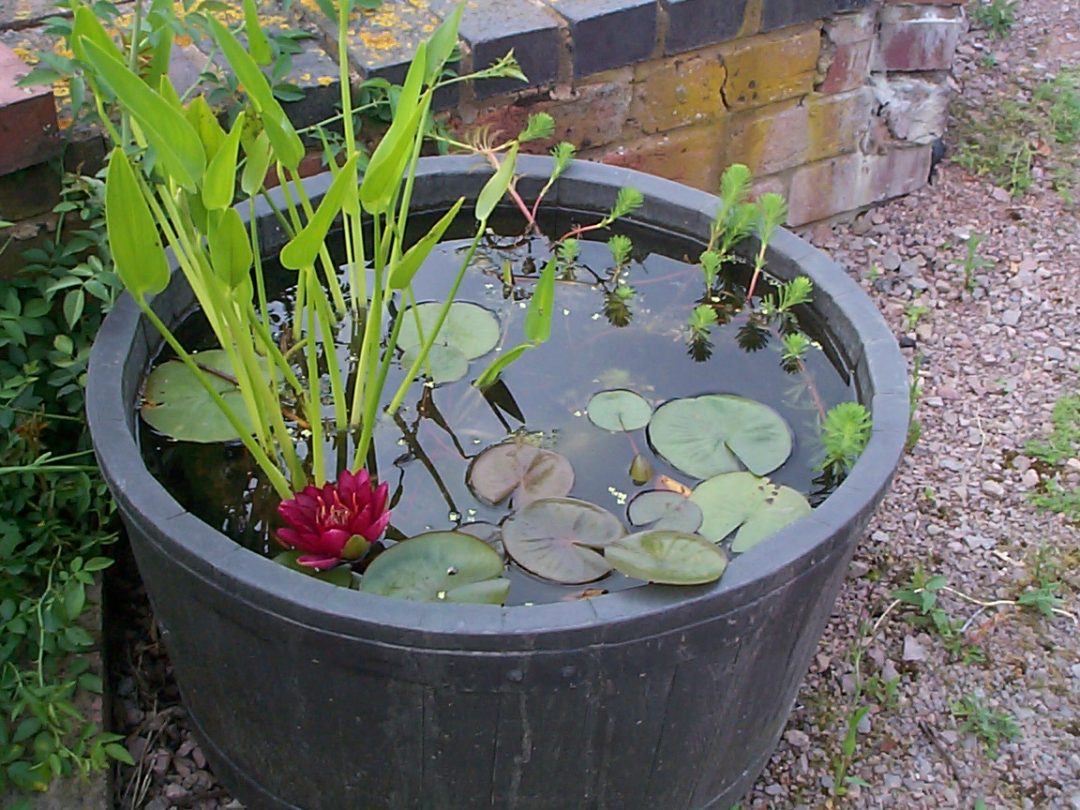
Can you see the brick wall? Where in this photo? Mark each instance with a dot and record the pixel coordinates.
(834, 103)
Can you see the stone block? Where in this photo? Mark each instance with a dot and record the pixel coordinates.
(782, 13)
(608, 34)
(915, 109)
(28, 124)
(679, 91)
(764, 69)
(846, 45)
(844, 183)
(771, 139)
(493, 27)
(690, 155)
(918, 37)
(695, 23)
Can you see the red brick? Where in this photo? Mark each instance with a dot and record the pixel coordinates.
(918, 38)
(847, 42)
(28, 126)
(844, 183)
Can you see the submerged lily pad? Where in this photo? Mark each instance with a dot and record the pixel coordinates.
(619, 410)
(561, 539)
(664, 509)
(447, 363)
(523, 471)
(176, 404)
(667, 557)
(469, 328)
(755, 506)
(439, 567)
(709, 435)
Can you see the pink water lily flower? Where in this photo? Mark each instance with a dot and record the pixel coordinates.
(336, 522)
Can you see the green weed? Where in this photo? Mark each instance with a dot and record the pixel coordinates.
(1062, 444)
(995, 16)
(990, 727)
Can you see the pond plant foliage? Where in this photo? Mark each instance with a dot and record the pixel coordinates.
(290, 395)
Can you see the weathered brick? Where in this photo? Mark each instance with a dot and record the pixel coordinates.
(694, 23)
(17, 14)
(29, 192)
(782, 13)
(679, 91)
(588, 115)
(918, 37)
(844, 183)
(28, 124)
(916, 110)
(771, 139)
(689, 155)
(769, 68)
(608, 34)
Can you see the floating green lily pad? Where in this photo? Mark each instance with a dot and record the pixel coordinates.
(176, 404)
(709, 435)
(522, 471)
(447, 363)
(561, 539)
(439, 567)
(469, 328)
(667, 557)
(488, 533)
(664, 509)
(619, 411)
(341, 575)
(755, 506)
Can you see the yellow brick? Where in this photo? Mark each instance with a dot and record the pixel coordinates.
(678, 91)
(691, 155)
(771, 139)
(769, 68)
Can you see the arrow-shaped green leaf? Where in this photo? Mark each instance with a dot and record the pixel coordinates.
(402, 272)
(133, 236)
(304, 247)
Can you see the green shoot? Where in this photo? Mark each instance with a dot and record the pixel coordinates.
(539, 127)
(621, 249)
(844, 435)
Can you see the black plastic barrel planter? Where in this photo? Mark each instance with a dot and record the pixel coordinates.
(310, 696)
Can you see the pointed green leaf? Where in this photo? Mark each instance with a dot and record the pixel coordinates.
(230, 250)
(168, 92)
(496, 187)
(304, 247)
(173, 138)
(256, 166)
(205, 123)
(490, 374)
(258, 44)
(219, 187)
(288, 147)
(133, 236)
(542, 305)
(86, 26)
(402, 273)
(390, 157)
(442, 42)
(157, 72)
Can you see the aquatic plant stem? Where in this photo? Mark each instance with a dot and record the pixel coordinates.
(314, 401)
(275, 476)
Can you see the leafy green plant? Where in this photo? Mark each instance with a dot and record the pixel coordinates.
(989, 726)
(914, 432)
(913, 314)
(56, 517)
(996, 16)
(1062, 444)
(844, 435)
(973, 262)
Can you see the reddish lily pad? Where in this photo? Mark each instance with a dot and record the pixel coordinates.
(523, 472)
(664, 509)
(561, 539)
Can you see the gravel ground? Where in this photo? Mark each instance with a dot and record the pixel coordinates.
(994, 360)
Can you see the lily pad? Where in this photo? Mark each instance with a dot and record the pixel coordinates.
(619, 410)
(522, 471)
(709, 435)
(341, 575)
(469, 328)
(439, 567)
(447, 363)
(664, 509)
(667, 557)
(176, 404)
(561, 539)
(755, 506)
(488, 533)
